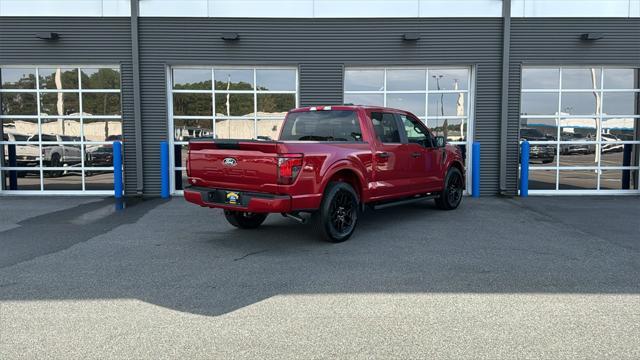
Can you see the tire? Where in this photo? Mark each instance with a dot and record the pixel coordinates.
(451, 196)
(547, 161)
(55, 162)
(244, 220)
(337, 217)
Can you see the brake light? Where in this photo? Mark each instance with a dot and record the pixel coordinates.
(289, 166)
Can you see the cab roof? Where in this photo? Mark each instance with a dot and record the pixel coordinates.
(349, 107)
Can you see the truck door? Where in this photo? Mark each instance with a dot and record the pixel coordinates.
(391, 158)
(426, 159)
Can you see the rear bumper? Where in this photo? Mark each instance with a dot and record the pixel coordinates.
(249, 201)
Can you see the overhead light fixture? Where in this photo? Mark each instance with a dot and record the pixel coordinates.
(230, 36)
(47, 35)
(592, 36)
(411, 37)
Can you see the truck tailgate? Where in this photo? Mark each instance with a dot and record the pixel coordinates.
(238, 165)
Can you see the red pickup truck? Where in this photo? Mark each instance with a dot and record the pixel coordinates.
(330, 162)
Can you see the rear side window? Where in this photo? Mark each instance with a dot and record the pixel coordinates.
(385, 127)
(331, 125)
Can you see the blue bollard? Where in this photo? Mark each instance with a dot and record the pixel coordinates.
(164, 170)
(475, 170)
(117, 169)
(524, 169)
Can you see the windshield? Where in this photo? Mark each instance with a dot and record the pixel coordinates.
(332, 125)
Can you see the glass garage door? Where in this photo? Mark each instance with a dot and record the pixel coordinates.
(58, 126)
(439, 96)
(582, 124)
(227, 103)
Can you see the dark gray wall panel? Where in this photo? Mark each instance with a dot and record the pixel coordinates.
(320, 47)
(82, 41)
(539, 41)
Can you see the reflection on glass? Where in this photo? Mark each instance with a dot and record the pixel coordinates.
(578, 129)
(580, 103)
(192, 104)
(276, 79)
(268, 128)
(587, 78)
(540, 78)
(275, 104)
(181, 180)
(616, 154)
(21, 155)
(451, 129)
(403, 80)
(58, 78)
(63, 180)
(233, 79)
(101, 103)
(620, 103)
(98, 155)
(100, 78)
(18, 104)
(542, 180)
(578, 155)
(192, 79)
(618, 179)
(184, 130)
(447, 104)
(538, 129)
(414, 103)
(234, 104)
(620, 128)
(543, 155)
(539, 104)
(98, 180)
(68, 128)
(364, 80)
(102, 129)
(448, 79)
(22, 180)
(61, 155)
(578, 179)
(364, 99)
(19, 129)
(235, 129)
(620, 78)
(60, 104)
(18, 78)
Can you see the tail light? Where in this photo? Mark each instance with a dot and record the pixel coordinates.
(289, 166)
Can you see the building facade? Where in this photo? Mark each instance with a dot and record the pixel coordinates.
(77, 75)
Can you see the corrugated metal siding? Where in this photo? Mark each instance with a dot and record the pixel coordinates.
(320, 48)
(82, 41)
(536, 41)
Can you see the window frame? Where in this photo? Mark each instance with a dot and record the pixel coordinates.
(83, 144)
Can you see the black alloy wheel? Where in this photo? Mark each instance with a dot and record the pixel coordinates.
(451, 196)
(338, 214)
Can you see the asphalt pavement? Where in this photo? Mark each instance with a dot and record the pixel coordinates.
(499, 278)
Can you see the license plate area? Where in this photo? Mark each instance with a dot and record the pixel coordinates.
(232, 197)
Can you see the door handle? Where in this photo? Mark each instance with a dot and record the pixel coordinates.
(382, 154)
(416, 154)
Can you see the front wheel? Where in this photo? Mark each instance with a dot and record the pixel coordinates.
(244, 220)
(451, 196)
(338, 214)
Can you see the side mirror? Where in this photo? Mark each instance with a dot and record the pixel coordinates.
(440, 141)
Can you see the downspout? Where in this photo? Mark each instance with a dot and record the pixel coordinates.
(504, 102)
(135, 59)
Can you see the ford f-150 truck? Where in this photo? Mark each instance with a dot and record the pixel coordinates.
(330, 162)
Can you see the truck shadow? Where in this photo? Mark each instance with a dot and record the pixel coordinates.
(189, 259)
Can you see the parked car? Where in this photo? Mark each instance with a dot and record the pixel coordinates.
(331, 162)
(580, 148)
(26, 155)
(611, 143)
(60, 155)
(538, 152)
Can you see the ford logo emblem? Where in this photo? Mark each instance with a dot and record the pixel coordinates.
(229, 162)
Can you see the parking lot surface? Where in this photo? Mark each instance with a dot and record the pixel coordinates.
(499, 278)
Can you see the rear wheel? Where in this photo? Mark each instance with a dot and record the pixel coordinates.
(244, 220)
(451, 195)
(338, 214)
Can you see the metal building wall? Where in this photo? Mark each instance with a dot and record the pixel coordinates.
(556, 41)
(320, 48)
(82, 41)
